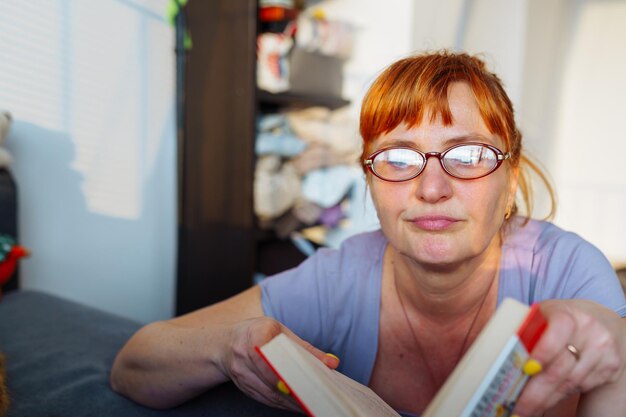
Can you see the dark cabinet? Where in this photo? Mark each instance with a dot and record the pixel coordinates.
(219, 246)
(216, 253)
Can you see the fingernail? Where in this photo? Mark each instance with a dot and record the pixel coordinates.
(282, 387)
(532, 367)
(330, 355)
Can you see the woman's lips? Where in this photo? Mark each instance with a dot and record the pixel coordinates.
(434, 223)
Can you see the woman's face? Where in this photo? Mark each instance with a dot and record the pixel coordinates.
(435, 219)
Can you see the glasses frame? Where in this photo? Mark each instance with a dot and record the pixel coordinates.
(501, 157)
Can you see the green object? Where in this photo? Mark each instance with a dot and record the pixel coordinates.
(6, 244)
(188, 43)
(173, 8)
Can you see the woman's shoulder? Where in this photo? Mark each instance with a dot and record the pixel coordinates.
(542, 261)
(542, 237)
(545, 253)
(357, 256)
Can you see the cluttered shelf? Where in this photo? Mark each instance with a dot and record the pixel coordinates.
(308, 186)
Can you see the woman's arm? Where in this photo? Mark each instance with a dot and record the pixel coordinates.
(167, 363)
(598, 374)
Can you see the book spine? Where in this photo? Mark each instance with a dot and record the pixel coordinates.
(291, 391)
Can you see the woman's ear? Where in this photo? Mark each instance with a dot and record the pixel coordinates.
(513, 177)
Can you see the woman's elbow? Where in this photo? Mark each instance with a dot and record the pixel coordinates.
(120, 381)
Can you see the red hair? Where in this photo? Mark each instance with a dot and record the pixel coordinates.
(413, 87)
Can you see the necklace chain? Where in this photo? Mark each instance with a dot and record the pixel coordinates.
(416, 340)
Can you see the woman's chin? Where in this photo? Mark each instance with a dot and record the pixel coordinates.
(438, 254)
(440, 262)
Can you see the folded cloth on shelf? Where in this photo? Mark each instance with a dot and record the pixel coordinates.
(276, 186)
(334, 128)
(282, 144)
(331, 216)
(328, 186)
(274, 137)
(320, 156)
(307, 211)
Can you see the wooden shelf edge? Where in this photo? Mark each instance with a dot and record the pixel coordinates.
(296, 99)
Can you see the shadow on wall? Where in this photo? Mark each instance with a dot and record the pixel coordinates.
(79, 254)
(49, 155)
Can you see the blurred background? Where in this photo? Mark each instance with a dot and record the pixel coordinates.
(106, 183)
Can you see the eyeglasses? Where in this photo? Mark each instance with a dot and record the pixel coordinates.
(466, 161)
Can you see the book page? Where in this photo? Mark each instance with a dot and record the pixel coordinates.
(360, 398)
(323, 392)
(368, 402)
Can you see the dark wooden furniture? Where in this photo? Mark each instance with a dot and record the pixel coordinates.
(218, 244)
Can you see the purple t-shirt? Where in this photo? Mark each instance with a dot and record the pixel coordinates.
(332, 299)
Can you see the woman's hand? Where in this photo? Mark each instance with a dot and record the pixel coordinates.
(245, 367)
(598, 335)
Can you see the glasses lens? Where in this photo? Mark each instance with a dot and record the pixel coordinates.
(398, 164)
(470, 161)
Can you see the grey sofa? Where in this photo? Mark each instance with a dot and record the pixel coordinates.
(58, 356)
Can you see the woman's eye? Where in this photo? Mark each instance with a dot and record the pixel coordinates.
(398, 164)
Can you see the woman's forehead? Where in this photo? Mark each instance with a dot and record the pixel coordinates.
(467, 125)
(459, 118)
(434, 139)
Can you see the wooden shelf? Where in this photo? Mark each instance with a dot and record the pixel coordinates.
(296, 99)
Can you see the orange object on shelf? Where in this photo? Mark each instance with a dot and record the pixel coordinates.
(276, 14)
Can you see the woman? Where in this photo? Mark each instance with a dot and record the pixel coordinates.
(400, 306)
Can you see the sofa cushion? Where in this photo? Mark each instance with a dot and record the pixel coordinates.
(58, 356)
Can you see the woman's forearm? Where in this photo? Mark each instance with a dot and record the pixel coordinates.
(164, 364)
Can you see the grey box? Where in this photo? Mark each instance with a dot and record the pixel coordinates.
(314, 73)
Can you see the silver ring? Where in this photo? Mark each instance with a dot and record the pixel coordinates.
(574, 351)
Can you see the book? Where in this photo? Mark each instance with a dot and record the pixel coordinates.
(486, 382)
(489, 378)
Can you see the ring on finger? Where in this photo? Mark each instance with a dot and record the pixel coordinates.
(574, 351)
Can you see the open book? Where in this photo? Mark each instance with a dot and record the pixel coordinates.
(486, 382)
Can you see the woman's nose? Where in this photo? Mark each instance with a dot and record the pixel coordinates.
(433, 184)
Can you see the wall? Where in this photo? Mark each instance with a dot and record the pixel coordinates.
(90, 86)
(589, 140)
(491, 28)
